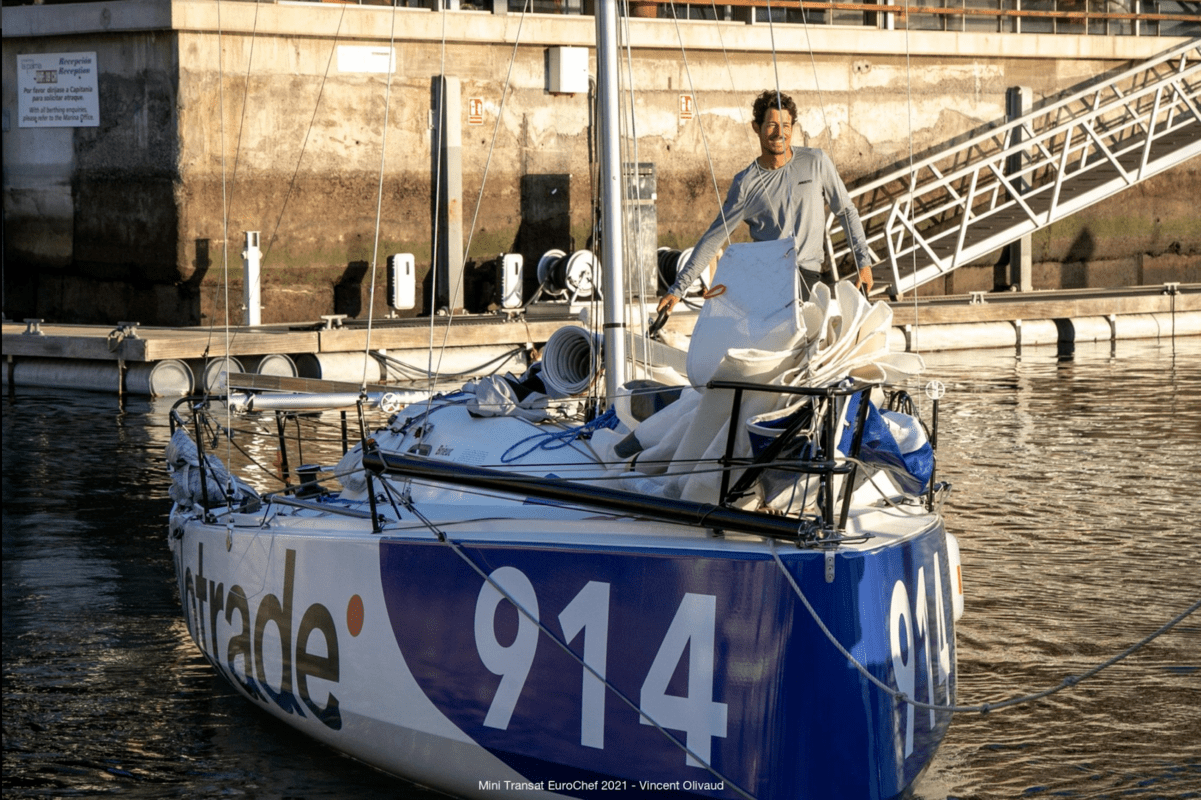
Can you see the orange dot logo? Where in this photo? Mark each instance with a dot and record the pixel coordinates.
(354, 615)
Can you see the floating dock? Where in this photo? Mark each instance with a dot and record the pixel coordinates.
(156, 361)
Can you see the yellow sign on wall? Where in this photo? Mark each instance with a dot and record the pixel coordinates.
(475, 111)
(686, 107)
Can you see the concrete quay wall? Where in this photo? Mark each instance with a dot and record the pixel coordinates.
(272, 117)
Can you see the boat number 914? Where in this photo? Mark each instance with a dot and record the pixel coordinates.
(692, 630)
(905, 624)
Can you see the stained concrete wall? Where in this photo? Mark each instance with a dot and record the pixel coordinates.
(90, 213)
(217, 119)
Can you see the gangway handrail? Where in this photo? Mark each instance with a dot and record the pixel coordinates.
(992, 133)
(1108, 121)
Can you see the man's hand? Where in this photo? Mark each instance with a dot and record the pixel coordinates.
(865, 279)
(668, 303)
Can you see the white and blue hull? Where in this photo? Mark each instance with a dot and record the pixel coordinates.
(394, 649)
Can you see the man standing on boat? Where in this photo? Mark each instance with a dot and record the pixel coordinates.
(782, 193)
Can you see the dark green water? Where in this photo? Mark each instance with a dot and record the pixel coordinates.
(1077, 504)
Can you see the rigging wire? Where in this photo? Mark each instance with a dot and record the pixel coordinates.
(721, 208)
(226, 199)
(436, 158)
(912, 183)
(307, 133)
(730, 71)
(245, 97)
(633, 244)
(224, 248)
(558, 641)
(487, 165)
(821, 103)
(379, 204)
(433, 371)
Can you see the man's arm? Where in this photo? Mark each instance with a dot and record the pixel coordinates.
(840, 203)
(723, 226)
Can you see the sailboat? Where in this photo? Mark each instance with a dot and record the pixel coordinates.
(733, 584)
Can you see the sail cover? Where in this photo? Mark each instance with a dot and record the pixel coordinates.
(756, 329)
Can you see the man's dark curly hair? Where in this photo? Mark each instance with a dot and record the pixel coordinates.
(768, 99)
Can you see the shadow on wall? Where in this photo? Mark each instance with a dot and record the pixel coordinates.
(348, 291)
(1074, 272)
(190, 289)
(545, 223)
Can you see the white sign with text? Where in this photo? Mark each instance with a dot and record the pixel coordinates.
(57, 90)
(359, 58)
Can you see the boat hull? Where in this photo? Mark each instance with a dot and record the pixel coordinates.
(407, 652)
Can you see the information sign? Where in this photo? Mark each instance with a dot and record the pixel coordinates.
(57, 90)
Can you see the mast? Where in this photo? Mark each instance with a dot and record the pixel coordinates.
(611, 196)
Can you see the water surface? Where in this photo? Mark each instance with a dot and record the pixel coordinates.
(1077, 504)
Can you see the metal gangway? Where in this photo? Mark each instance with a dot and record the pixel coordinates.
(974, 197)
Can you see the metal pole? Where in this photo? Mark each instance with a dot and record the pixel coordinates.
(677, 512)
(449, 246)
(252, 300)
(611, 196)
(1021, 270)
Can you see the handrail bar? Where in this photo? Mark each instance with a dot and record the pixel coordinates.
(1102, 124)
(1004, 129)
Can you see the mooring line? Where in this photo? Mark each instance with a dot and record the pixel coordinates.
(983, 708)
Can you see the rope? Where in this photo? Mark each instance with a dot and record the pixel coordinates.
(499, 361)
(555, 440)
(458, 550)
(982, 708)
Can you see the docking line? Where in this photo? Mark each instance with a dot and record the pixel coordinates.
(984, 708)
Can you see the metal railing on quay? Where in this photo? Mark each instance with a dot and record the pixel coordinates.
(1069, 17)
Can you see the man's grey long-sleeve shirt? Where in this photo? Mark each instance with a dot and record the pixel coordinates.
(776, 203)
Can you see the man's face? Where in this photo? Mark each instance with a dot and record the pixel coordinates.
(775, 134)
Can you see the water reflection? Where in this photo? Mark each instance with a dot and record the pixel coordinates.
(1076, 507)
(1075, 504)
